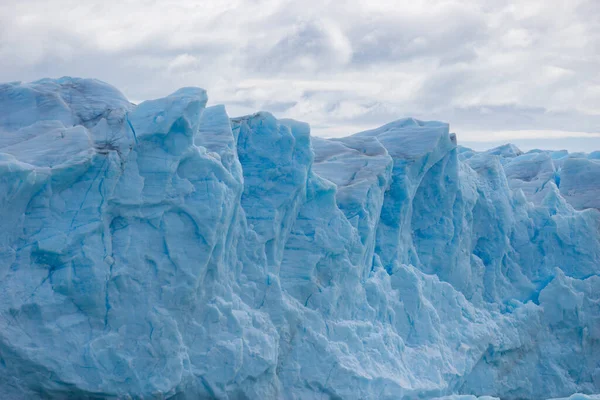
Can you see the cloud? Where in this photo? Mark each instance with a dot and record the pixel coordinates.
(310, 46)
(489, 67)
(448, 33)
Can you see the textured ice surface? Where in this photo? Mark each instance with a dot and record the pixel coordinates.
(165, 250)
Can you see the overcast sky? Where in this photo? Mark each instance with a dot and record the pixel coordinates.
(524, 71)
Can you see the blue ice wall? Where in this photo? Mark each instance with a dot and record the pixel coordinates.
(164, 250)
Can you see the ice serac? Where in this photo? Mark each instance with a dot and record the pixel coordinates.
(415, 147)
(361, 169)
(164, 250)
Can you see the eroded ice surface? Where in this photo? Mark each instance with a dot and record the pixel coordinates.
(165, 250)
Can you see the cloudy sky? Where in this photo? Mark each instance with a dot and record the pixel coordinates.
(524, 71)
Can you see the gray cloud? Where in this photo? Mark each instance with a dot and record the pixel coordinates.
(343, 66)
(310, 47)
(450, 35)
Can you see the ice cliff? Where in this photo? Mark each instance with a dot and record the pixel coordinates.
(164, 250)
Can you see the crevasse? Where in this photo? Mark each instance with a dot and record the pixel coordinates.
(164, 250)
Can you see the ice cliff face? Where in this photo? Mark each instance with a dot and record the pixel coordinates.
(165, 250)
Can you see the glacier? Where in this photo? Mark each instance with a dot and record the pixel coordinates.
(166, 250)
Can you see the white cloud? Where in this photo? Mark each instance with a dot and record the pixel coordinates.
(540, 134)
(485, 66)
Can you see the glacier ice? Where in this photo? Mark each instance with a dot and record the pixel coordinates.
(166, 250)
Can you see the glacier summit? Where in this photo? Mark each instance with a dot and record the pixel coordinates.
(165, 250)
